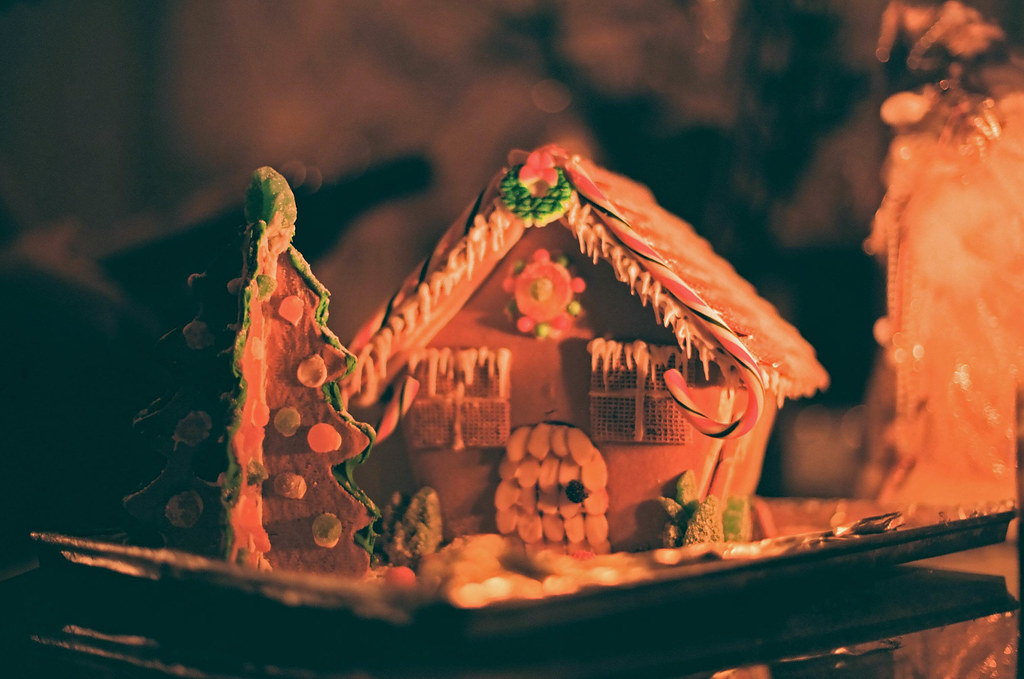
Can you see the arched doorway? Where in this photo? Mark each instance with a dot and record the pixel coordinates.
(553, 491)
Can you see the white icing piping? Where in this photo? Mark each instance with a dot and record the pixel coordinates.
(485, 236)
(459, 366)
(489, 235)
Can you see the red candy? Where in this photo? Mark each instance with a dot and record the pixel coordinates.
(400, 576)
(323, 438)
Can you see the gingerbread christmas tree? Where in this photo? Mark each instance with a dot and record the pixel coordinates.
(260, 452)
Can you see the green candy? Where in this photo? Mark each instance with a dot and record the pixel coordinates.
(266, 285)
(737, 523)
(267, 195)
(535, 209)
(411, 527)
(326, 530)
(706, 524)
(287, 421)
(686, 491)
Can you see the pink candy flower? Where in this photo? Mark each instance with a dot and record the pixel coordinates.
(539, 167)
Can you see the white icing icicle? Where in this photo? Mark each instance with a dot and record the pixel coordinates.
(488, 234)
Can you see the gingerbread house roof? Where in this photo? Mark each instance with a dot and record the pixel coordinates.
(479, 240)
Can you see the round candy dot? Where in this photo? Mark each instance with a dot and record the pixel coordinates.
(312, 372)
(287, 421)
(323, 438)
(541, 255)
(542, 330)
(289, 485)
(197, 335)
(574, 308)
(326, 530)
(290, 309)
(509, 284)
(400, 576)
(578, 285)
(525, 324)
(192, 429)
(234, 285)
(576, 492)
(184, 509)
(561, 321)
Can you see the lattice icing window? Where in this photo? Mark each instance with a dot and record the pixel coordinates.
(463, 399)
(628, 397)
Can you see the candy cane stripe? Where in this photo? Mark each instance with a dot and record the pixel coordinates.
(670, 281)
(397, 406)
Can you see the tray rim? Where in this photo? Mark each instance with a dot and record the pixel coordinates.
(703, 578)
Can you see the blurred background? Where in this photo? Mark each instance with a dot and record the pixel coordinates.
(128, 131)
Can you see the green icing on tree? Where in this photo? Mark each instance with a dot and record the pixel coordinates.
(323, 306)
(535, 209)
(266, 285)
(267, 195)
(706, 523)
(344, 472)
(411, 527)
(211, 382)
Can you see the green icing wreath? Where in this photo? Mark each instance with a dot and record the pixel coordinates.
(535, 209)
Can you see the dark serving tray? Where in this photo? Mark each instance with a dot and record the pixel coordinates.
(175, 613)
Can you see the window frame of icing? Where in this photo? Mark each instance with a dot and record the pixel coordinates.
(459, 386)
(641, 383)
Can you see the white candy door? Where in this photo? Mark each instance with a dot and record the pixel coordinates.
(553, 490)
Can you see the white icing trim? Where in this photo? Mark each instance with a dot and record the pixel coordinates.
(488, 235)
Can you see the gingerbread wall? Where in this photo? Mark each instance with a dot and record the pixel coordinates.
(550, 381)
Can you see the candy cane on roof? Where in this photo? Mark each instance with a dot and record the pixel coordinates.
(660, 271)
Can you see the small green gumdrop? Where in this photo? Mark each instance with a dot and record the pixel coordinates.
(737, 522)
(542, 330)
(287, 421)
(686, 491)
(561, 260)
(573, 308)
(267, 195)
(184, 509)
(705, 524)
(412, 527)
(326, 530)
(266, 285)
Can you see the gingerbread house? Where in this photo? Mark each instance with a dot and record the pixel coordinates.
(577, 348)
